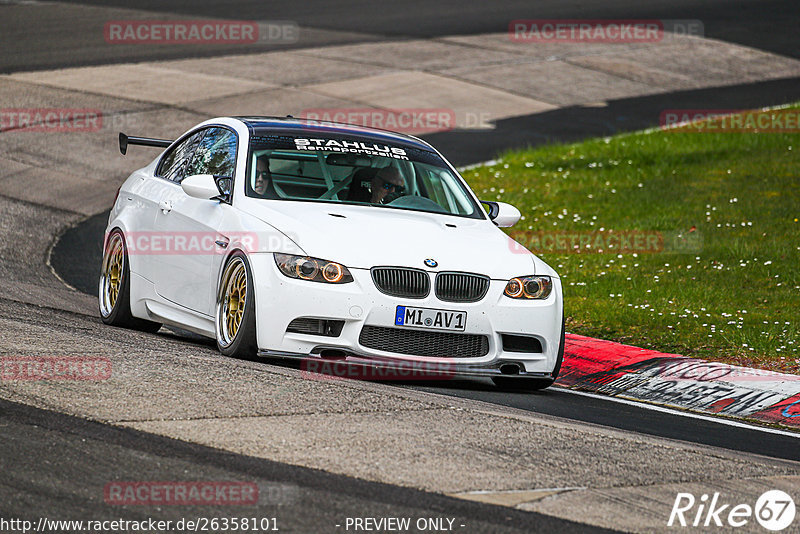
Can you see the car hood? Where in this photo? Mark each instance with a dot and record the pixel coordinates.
(365, 237)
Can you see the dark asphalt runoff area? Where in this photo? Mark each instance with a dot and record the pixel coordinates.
(57, 467)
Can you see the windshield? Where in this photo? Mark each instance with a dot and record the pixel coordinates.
(345, 170)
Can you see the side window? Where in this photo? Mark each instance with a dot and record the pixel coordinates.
(215, 154)
(174, 163)
(434, 187)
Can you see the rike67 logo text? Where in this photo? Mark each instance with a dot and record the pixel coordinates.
(774, 510)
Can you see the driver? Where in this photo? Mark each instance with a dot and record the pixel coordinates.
(385, 181)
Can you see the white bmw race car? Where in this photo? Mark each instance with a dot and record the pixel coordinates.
(281, 237)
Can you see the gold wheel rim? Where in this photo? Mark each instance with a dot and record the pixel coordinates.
(231, 305)
(112, 273)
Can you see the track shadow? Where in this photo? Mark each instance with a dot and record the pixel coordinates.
(577, 123)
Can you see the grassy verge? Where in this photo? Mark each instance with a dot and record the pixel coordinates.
(724, 282)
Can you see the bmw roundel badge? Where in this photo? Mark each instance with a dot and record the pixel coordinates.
(430, 262)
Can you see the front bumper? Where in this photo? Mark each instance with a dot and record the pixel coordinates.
(370, 367)
(280, 299)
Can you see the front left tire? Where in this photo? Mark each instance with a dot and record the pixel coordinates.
(115, 287)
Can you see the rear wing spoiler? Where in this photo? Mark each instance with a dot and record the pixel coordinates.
(124, 141)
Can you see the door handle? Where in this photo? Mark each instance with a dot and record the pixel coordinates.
(166, 206)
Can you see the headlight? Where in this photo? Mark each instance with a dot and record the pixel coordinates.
(313, 269)
(529, 287)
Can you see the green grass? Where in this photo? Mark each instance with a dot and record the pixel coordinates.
(732, 293)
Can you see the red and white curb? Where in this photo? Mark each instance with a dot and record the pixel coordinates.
(673, 380)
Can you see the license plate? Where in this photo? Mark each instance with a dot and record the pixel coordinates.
(430, 318)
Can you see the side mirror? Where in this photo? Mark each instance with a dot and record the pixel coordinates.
(502, 214)
(202, 186)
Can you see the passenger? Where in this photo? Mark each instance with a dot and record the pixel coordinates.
(263, 184)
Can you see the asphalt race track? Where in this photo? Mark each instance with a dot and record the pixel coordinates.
(77, 256)
(174, 417)
(767, 25)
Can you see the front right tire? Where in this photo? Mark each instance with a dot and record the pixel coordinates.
(235, 310)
